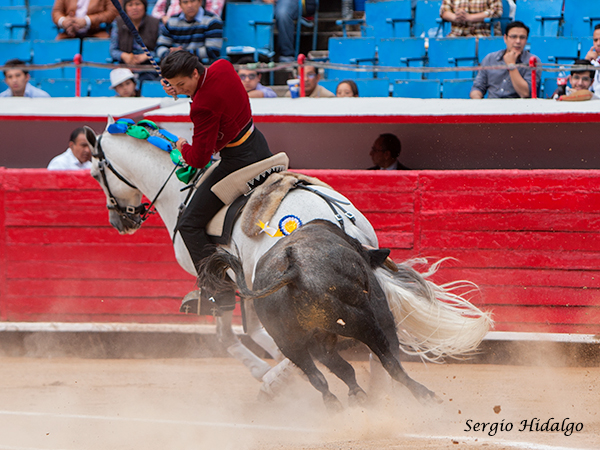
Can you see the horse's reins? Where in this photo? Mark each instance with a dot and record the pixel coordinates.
(134, 216)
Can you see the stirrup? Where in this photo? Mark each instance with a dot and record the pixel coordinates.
(198, 302)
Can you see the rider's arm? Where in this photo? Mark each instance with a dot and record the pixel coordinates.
(206, 129)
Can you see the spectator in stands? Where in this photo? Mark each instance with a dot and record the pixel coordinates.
(385, 152)
(251, 80)
(515, 80)
(346, 88)
(195, 30)
(286, 14)
(123, 46)
(77, 157)
(581, 80)
(594, 56)
(163, 9)
(123, 82)
(83, 19)
(312, 88)
(18, 83)
(468, 16)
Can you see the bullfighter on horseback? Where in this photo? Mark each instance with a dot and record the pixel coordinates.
(222, 118)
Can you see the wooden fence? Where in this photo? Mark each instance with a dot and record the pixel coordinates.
(529, 239)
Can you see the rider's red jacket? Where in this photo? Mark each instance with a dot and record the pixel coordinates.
(220, 110)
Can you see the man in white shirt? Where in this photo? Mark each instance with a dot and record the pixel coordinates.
(77, 157)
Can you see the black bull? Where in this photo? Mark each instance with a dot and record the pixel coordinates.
(311, 287)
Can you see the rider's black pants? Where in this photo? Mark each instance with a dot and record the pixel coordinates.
(205, 204)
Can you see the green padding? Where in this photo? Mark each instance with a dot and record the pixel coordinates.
(185, 174)
(177, 158)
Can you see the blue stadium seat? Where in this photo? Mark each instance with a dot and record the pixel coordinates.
(248, 30)
(3, 86)
(581, 16)
(504, 19)
(100, 88)
(63, 87)
(36, 3)
(389, 19)
(95, 50)
(549, 86)
(402, 52)
(555, 50)
(50, 52)
(309, 22)
(15, 49)
(356, 51)
(4, 3)
(367, 87)
(585, 44)
(543, 17)
(457, 88)
(417, 88)
(13, 22)
(41, 26)
(487, 45)
(428, 22)
(452, 52)
(153, 89)
(373, 87)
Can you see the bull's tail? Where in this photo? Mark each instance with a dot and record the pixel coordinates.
(213, 274)
(433, 320)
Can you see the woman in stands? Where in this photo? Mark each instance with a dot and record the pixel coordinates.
(123, 46)
(346, 88)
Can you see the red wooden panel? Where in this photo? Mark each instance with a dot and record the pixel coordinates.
(571, 202)
(100, 288)
(391, 221)
(21, 316)
(501, 180)
(394, 239)
(3, 265)
(37, 179)
(560, 278)
(538, 296)
(539, 315)
(381, 202)
(139, 270)
(510, 221)
(124, 253)
(84, 235)
(502, 258)
(578, 242)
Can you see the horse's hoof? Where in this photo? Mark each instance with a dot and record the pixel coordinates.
(334, 406)
(358, 398)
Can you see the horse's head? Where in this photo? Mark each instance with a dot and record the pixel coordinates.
(124, 200)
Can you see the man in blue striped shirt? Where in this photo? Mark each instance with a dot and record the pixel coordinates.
(198, 31)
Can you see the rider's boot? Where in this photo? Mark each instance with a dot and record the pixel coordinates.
(200, 302)
(275, 380)
(258, 368)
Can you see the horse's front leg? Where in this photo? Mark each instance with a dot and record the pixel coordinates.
(235, 348)
(258, 334)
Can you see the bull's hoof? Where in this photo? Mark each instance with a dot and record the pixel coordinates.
(357, 398)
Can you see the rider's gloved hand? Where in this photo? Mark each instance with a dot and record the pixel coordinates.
(177, 158)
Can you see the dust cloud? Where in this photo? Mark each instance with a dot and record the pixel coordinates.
(211, 403)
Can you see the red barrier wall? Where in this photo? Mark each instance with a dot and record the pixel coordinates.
(529, 239)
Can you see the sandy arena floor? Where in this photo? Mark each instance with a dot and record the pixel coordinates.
(93, 404)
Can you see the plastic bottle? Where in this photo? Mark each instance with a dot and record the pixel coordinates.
(561, 84)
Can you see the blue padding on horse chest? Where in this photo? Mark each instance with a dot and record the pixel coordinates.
(161, 143)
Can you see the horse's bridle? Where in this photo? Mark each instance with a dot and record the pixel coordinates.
(132, 216)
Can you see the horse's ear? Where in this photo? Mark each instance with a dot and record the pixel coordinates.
(90, 136)
(110, 121)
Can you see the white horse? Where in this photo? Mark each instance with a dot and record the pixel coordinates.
(430, 319)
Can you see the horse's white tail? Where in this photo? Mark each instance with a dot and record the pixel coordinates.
(432, 320)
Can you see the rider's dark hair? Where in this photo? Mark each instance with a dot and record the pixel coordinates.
(584, 62)
(76, 132)
(516, 24)
(391, 143)
(180, 63)
(13, 63)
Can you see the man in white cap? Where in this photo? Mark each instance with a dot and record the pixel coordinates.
(123, 82)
